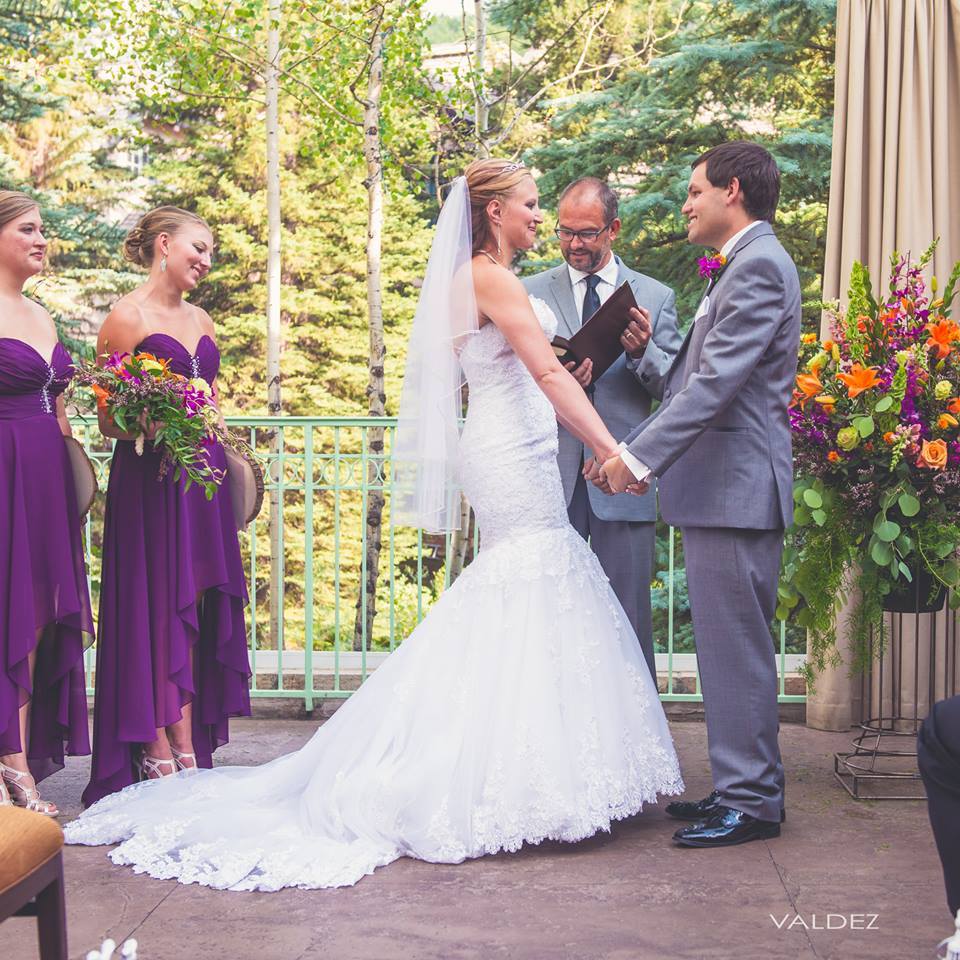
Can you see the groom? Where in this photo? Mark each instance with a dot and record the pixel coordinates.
(720, 446)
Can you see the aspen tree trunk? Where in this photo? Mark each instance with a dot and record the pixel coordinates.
(481, 109)
(274, 12)
(367, 605)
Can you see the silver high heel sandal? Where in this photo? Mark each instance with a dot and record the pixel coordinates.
(179, 759)
(152, 769)
(5, 800)
(20, 795)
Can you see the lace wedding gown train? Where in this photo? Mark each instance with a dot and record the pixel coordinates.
(519, 710)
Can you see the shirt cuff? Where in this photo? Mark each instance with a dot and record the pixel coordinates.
(637, 467)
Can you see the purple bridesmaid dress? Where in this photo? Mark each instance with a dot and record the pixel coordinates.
(162, 548)
(43, 583)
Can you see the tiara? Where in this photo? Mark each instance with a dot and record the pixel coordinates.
(516, 165)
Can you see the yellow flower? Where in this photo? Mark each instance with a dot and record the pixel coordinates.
(827, 402)
(816, 363)
(946, 421)
(201, 386)
(809, 338)
(943, 389)
(152, 366)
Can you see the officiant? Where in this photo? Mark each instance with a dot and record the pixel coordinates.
(621, 528)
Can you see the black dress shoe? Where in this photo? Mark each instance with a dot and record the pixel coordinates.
(695, 810)
(726, 828)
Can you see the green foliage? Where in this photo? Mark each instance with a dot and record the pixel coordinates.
(759, 70)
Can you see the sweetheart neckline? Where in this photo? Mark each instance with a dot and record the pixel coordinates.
(30, 346)
(180, 344)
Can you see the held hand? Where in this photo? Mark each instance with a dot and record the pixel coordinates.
(638, 488)
(635, 338)
(591, 472)
(582, 374)
(149, 428)
(617, 475)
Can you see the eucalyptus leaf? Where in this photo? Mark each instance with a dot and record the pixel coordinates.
(909, 505)
(888, 531)
(812, 499)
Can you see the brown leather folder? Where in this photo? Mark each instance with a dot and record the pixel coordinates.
(599, 337)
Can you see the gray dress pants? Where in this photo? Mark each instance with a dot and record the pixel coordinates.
(625, 550)
(732, 579)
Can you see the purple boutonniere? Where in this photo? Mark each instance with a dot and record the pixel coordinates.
(709, 267)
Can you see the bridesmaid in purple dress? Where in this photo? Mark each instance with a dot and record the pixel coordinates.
(171, 641)
(44, 605)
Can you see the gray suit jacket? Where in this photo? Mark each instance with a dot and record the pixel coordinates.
(622, 396)
(720, 441)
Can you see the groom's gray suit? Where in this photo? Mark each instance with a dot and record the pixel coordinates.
(720, 444)
(621, 529)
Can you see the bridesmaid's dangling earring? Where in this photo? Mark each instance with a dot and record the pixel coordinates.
(163, 264)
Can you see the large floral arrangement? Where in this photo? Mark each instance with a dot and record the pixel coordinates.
(875, 419)
(140, 392)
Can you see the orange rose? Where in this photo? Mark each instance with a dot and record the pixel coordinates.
(833, 456)
(933, 454)
(946, 421)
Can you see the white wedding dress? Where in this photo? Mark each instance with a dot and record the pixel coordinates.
(519, 710)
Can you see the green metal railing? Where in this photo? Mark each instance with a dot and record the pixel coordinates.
(321, 472)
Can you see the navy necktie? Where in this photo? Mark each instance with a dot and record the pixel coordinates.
(591, 300)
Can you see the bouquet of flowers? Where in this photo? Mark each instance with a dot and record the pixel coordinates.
(875, 419)
(140, 389)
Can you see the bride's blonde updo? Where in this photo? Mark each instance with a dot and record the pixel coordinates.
(15, 204)
(138, 244)
(488, 180)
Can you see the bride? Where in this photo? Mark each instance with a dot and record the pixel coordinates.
(521, 708)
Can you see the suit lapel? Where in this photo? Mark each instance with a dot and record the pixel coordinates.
(562, 291)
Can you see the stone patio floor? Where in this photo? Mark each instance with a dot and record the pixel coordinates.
(622, 896)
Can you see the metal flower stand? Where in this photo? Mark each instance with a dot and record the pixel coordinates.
(916, 668)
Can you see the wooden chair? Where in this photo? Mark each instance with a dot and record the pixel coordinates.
(31, 876)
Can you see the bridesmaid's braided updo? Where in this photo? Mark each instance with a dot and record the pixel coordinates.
(138, 244)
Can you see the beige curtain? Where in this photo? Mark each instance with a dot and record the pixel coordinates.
(895, 178)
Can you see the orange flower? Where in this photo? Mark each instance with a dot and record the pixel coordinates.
(858, 379)
(933, 454)
(827, 402)
(809, 384)
(102, 395)
(954, 405)
(828, 346)
(942, 335)
(890, 437)
(946, 421)
(833, 456)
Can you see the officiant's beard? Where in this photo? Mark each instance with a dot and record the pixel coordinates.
(585, 259)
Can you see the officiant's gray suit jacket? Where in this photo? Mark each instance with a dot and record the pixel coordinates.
(623, 395)
(720, 441)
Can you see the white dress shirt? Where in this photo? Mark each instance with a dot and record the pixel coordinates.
(637, 467)
(606, 286)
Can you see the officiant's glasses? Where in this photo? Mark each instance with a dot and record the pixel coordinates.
(585, 236)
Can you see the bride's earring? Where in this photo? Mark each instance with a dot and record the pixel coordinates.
(498, 239)
(163, 264)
